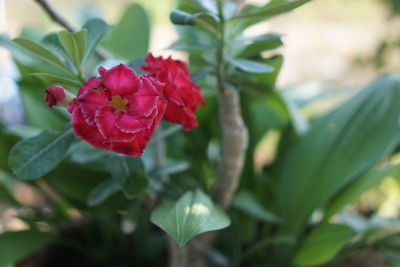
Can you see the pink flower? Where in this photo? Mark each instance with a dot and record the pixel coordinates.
(182, 95)
(57, 96)
(118, 111)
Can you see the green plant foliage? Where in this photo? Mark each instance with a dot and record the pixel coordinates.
(245, 201)
(53, 79)
(74, 44)
(339, 147)
(96, 30)
(42, 52)
(102, 191)
(36, 156)
(273, 8)
(17, 245)
(193, 214)
(322, 244)
(122, 39)
(251, 66)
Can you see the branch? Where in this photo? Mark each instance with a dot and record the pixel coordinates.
(63, 23)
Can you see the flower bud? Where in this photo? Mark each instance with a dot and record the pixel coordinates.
(58, 96)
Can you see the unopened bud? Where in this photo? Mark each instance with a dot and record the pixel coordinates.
(58, 96)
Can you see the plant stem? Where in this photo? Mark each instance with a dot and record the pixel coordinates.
(234, 144)
(57, 18)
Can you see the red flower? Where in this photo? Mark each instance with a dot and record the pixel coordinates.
(182, 94)
(57, 96)
(118, 111)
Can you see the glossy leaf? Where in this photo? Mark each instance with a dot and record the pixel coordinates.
(31, 158)
(56, 80)
(193, 214)
(251, 66)
(74, 44)
(322, 244)
(181, 17)
(96, 30)
(129, 38)
(17, 245)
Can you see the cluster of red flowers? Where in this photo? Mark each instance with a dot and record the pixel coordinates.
(121, 109)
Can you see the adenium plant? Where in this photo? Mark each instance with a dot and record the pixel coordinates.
(113, 166)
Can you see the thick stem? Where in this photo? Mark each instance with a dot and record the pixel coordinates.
(57, 18)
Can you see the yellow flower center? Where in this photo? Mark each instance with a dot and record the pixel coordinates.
(118, 103)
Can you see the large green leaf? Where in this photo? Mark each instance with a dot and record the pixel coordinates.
(96, 30)
(74, 44)
(14, 246)
(42, 52)
(129, 38)
(357, 187)
(339, 147)
(322, 244)
(193, 214)
(36, 156)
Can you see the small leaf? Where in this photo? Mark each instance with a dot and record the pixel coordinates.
(56, 80)
(251, 66)
(273, 8)
(96, 30)
(102, 191)
(74, 44)
(41, 52)
(322, 244)
(129, 173)
(181, 17)
(171, 168)
(246, 202)
(193, 214)
(190, 46)
(201, 74)
(18, 245)
(31, 158)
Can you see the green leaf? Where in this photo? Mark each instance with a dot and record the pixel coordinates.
(129, 38)
(322, 244)
(130, 174)
(340, 146)
(171, 168)
(41, 52)
(259, 44)
(245, 201)
(273, 8)
(31, 158)
(181, 17)
(193, 214)
(190, 46)
(96, 30)
(251, 66)
(102, 191)
(74, 44)
(56, 80)
(357, 187)
(15, 246)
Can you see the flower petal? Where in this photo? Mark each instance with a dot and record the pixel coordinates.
(131, 124)
(180, 115)
(92, 83)
(121, 80)
(90, 101)
(105, 121)
(144, 101)
(87, 132)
